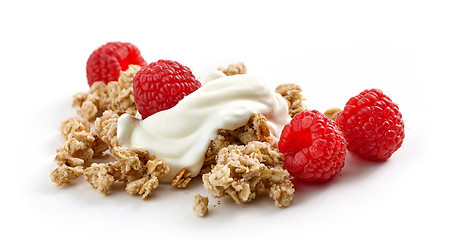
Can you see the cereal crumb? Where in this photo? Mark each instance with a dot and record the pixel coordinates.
(282, 193)
(116, 96)
(143, 186)
(106, 128)
(156, 166)
(234, 69)
(98, 175)
(182, 178)
(332, 113)
(121, 98)
(200, 205)
(90, 105)
(292, 93)
(256, 129)
(76, 150)
(243, 171)
(65, 174)
(72, 125)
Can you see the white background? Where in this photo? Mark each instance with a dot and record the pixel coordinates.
(333, 49)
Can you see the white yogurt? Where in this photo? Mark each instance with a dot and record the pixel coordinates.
(181, 135)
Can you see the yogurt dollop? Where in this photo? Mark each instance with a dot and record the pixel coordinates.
(181, 135)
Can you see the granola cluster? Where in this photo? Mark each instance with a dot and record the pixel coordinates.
(243, 171)
(292, 93)
(134, 167)
(332, 113)
(234, 69)
(200, 205)
(116, 96)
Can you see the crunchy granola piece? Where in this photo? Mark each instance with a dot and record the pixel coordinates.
(232, 175)
(98, 146)
(98, 175)
(79, 99)
(332, 113)
(294, 97)
(274, 175)
(266, 154)
(121, 95)
(156, 166)
(182, 178)
(76, 150)
(215, 146)
(64, 174)
(72, 125)
(282, 193)
(63, 158)
(234, 69)
(242, 172)
(256, 129)
(130, 166)
(106, 128)
(200, 205)
(143, 186)
(89, 105)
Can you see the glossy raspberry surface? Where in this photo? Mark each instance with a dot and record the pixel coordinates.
(313, 146)
(106, 62)
(161, 85)
(372, 125)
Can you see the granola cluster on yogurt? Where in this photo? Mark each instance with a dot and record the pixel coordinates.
(242, 163)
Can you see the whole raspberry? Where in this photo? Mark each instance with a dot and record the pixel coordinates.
(106, 62)
(372, 125)
(313, 146)
(161, 85)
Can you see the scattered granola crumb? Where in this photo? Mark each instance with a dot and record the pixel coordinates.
(98, 175)
(200, 205)
(72, 125)
(182, 178)
(130, 164)
(143, 186)
(90, 105)
(106, 128)
(234, 69)
(256, 129)
(242, 172)
(121, 92)
(65, 174)
(156, 166)
(282, 193)
(332, 113)
(76, 149)
(294, 97)
(116, 96)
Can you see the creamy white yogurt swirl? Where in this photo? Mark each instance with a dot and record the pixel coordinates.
(181, 135)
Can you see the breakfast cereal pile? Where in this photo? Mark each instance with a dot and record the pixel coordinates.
(242, 163)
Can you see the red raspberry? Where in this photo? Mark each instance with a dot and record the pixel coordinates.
(106, 62)
(161, 85)
(313, 146)
(372, 125)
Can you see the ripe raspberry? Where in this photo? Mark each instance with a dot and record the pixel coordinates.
(106, 62)
(313, 146)
(372, 125)
(161, 85)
